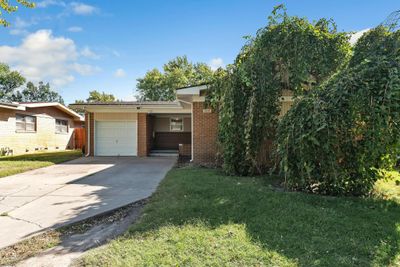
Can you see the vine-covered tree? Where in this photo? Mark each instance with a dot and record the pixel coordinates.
(336, 139)
(291, 54)
(179, 72)
(6, 7)
(40, 93)
(10, 81)
(96, 96)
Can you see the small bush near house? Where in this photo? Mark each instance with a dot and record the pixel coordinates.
(336, 139)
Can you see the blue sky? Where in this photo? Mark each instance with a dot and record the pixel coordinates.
(80, 46)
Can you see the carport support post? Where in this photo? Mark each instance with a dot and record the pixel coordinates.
(89, 124)
(144, 134)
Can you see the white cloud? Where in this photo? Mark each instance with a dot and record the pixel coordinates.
(116, 53)
(85, 69)
(82, 9)
(20, 23)
(46, 3)
(18, 32)
(19, 26)
(216, 63)
(355, 36)
(44, 57)
(87, 52)
(75, 29)
(130, 97)
(119, 73)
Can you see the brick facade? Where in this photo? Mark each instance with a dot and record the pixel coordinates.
(185, 150)
(144, 134)
(205, 131)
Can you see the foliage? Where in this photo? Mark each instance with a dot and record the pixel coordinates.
(9, 8)
(335, 140)
(178, 73)
(199, 217)
(40, 93)
(289, 54)
(96, 96)
(389, 186)
(79, 110)
(10, 81)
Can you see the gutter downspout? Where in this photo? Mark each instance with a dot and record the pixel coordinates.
(191, 122)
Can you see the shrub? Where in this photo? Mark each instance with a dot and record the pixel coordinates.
(335, 140)
(290, 53)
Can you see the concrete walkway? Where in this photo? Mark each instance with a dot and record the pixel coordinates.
(54, 196)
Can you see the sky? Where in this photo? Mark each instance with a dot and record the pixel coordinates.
(79, 46)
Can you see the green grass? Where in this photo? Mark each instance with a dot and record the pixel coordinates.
(389, 188)
(200, 217)
(16, 164)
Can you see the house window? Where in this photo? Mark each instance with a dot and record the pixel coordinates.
(61, 126)
(25, 123)
(176, 125)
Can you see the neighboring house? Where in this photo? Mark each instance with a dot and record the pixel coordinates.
(185, 126)
(30, 127)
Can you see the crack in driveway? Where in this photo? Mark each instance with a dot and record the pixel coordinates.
(23, 220)
(30, 201)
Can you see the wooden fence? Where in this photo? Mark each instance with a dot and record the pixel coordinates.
(80, 139)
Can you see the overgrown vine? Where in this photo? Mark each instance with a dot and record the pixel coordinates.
(290, 53)
(336, 139)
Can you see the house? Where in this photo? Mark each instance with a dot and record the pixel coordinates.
(185, 126)
(30, 127)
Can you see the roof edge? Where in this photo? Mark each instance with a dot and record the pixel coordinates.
(53, 104)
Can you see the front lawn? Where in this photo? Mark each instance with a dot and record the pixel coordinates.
(200, 217)
(389, 188)
(16, 164)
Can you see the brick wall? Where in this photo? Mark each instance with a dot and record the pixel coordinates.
(205, 131)
(149, 133)
(144, 134)
(185, 150)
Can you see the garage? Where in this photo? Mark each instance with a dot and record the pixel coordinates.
(115, 138)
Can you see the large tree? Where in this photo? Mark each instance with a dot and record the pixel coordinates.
(179, 72)
(10, 81)
(6, 7)
(96, 96)
(40, 93)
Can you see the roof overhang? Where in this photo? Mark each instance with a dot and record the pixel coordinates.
(193, 90)
(192, 94)
(57, 105)
(12, 106)
(137, 107)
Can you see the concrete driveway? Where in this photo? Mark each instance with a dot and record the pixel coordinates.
(54, 196)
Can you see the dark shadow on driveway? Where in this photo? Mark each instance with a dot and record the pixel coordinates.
(122, 181)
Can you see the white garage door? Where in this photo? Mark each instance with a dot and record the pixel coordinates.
(115, 138)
